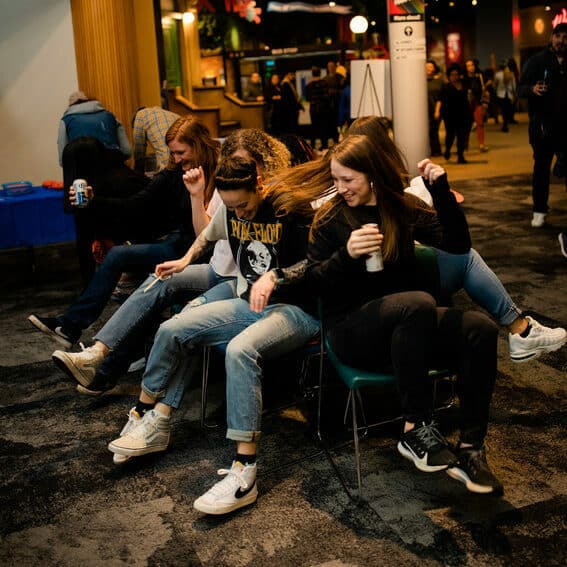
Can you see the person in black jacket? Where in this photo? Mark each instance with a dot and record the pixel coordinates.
(453, 107)
(105, 171)
(387, 320)
(544, 82)
(317, 94)
(177, 216)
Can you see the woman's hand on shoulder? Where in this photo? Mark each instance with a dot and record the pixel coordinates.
(194, 180)
(431, 171)
(364, 241)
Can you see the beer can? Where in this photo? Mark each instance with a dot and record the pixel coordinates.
(374, 261)
(80, 187)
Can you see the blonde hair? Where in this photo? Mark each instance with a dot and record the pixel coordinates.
(268, 153)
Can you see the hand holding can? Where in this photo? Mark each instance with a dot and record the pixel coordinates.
(81, 193)
(374, 261)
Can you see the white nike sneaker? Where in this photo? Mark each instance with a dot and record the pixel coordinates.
(540, 339)
(237, 489)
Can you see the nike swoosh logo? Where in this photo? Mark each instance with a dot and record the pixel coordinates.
(242, 493)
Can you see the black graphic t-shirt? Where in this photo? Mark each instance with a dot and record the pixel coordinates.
(260, 245)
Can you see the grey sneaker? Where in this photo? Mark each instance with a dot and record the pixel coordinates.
(237, 489)
(149, 436)
(81, 366)
(540, 339)
(53, 329)
(134, 420)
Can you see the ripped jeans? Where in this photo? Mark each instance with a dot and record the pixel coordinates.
(252, 337)
(140, 315)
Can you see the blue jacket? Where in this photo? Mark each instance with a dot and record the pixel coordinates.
(90, 118)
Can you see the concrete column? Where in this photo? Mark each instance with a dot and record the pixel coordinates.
(409, 82)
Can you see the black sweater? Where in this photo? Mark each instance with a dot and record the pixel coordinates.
(344, 283)
(164, 206)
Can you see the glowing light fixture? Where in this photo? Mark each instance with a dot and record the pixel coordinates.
(188, 17)
(539, 26)
(359, 24)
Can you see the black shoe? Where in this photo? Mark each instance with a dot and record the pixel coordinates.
(98, 386)
(427, 448)
(462, 160)
(447, 155)
(53, 329)
(473, 471)
(505, 129)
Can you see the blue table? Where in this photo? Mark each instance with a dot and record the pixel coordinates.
(34, 219)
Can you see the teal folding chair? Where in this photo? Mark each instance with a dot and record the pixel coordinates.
(355, 378)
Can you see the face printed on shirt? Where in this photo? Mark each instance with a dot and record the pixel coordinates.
(258, 256)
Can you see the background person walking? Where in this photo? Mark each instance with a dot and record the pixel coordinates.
(544, 83)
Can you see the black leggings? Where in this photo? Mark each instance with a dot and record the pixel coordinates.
(406, 333)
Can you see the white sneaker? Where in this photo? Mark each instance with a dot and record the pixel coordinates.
(134, 420)
(237, 489)
(538, 220)
(540, 339)
(149, 436)
(81, 366)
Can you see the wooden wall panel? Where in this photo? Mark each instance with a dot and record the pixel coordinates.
(105, 47)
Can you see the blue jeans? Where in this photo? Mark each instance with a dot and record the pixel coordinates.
(139, 257)
(470, 272)
(251, 337)
(139, 316)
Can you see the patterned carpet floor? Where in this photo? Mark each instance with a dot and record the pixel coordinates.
(63, 502)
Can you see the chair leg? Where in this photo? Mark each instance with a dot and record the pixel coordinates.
(204, 387)
(356, 444)
(320, 398)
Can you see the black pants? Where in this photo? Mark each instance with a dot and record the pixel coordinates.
(407, 333)
(546, 140)
(461, 131)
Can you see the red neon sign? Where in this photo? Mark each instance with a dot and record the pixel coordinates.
(559, 18)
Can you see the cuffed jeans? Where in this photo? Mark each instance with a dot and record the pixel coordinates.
(251, 337)
(139, 316)
(139, 257)
(470, 272)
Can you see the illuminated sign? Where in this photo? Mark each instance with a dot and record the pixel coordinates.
(560, 18)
